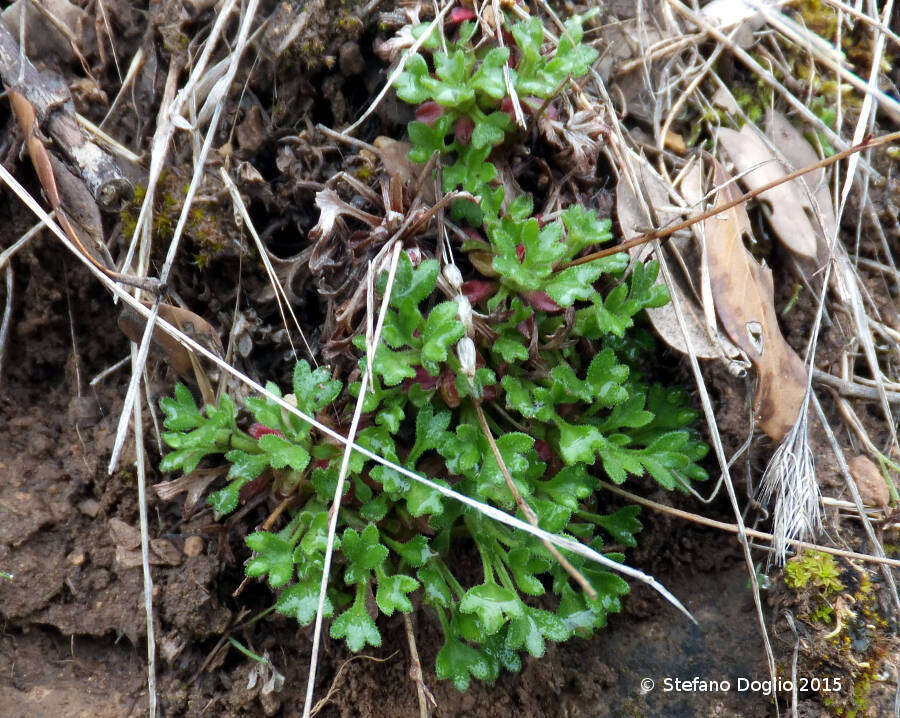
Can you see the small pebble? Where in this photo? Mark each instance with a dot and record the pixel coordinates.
(872, 487)
(84, 410)
(351, 60)
(89, 507)
(39, 445)
(193, 546)
(76, 558)
(171, 645)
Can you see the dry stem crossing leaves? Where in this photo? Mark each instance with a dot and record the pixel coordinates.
(633, 219)
(787, 207)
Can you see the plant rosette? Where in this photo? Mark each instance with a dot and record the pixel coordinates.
(550, 360)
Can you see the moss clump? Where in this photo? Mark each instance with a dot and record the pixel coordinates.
(814, 569)
(208, 226)
(316, 46)
(856, 41)
(843, 637)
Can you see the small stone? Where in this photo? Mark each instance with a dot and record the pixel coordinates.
(84, 411)
(251, 132)
(193, 546)
(100, 579)
(76, 558)
(124, 535)
(872, 487)
(128, 558)
(351, 59)
(39, 445)
(271, 703)
(165, 551)
(171, 645)
(89, 507)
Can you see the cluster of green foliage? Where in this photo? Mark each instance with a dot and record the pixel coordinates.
(470, 89)
(818, 573)
(847, 637)
(557, 379)
(814, 569)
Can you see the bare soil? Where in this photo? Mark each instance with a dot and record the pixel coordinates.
(73, 631)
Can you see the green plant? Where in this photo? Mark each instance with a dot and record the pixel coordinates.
(466, 97)
(533, 346)
(818, 574)
(814, 569)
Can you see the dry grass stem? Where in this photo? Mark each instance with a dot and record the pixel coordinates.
(854, 389)
(763, 74)
(878, 549)
(108, 141)
(526, 510)
(332, 689)
(423, 695)
(140, 466)
(753, 533)
(342, 475)
(109, 370)
(8, 253)
(668, 231)
(281, 296)
(199, 169)
(7, 316)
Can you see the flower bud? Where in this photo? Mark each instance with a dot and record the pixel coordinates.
(429, 113)
(464, 309)
(460, 14)
(465, 350)
(453, 276)
(477, 290)
(463, 130)
(257, 430)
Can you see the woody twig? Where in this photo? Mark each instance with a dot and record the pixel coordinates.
(669, 230)
(55, 114)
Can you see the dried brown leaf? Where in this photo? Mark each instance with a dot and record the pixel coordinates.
(578, 138)
(744, 298)
(331, 208)
(251, 131)
(402, 171)
(394, 156)
(633, 220)
(194, 484)
(46, 38)
(25, 115)
(800, 153)
(166, 347)
(43, 164)
(81, 211)
(787, 207)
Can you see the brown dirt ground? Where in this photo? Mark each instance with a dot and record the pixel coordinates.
(73, 630)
